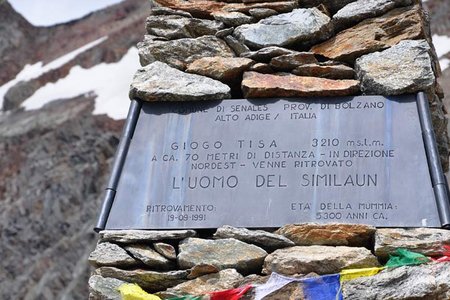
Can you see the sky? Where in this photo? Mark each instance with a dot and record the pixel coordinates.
(51, 12)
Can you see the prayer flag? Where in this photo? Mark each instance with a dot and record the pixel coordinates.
(234, 294)
(403, 257)
(131, 291)
(351, 274)
(326, 287)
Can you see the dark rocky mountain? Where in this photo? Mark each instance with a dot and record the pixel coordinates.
(54, 161)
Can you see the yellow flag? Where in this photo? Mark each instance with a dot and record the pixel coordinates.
(130, 291)
(351, 274)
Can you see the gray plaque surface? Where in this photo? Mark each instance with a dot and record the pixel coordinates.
(266, 163)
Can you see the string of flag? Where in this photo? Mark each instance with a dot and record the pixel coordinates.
(324, 287)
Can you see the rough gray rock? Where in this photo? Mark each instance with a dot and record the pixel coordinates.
(166, 250)
(233, 18)
(332, 5)
(223, 280)
(325, 71)
(261, 68)
(178, 53)
(403, 68)
(46, 238)
(160, 82)
(428, 241)
(202, 269)
(150, 257)
(359, 10)
(226, 253)
(135, 236)
(262, 13)
(234, 44)
(405, 283)
(224, 32)
(299, 27)
(101, 288)
(318, 259)
(261, 238)
(306, 234)
(108, 254)
(177, 27)
(266, 54)
(165, 11)
(149, 280)
(288, 62)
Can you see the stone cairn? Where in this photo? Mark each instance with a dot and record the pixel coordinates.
(178, 262)
(199, 50)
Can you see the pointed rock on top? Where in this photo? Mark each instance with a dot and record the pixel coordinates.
(403, 68)
(160, 82)
(303, 26)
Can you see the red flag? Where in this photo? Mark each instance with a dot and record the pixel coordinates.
(446, 256)
(234, 294)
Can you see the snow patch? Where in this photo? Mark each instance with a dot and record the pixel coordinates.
(34, 71)
(110, 82)
(445, 63)
(441, 44)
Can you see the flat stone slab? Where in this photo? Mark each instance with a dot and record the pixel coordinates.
(233, 18)
(266, 54)
(428, 241)
(288, 62)
(224, 254)
(401, 69)
(101, 288)
(179, 53)
(318, 259)
(325, 71)
(223, 280)
(301, 26)
(135, 236)
(149, 280)
(261, 238)
(160, 82)
(108, 254)
(256, 85)
(328, 234)
(220, 68)
(176, 27)
(357, 11)
(372, 35)
(425, 282)
(150, 257)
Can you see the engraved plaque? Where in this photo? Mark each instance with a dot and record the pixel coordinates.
(269, 162)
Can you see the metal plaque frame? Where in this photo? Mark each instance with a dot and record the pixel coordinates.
(438, 180)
